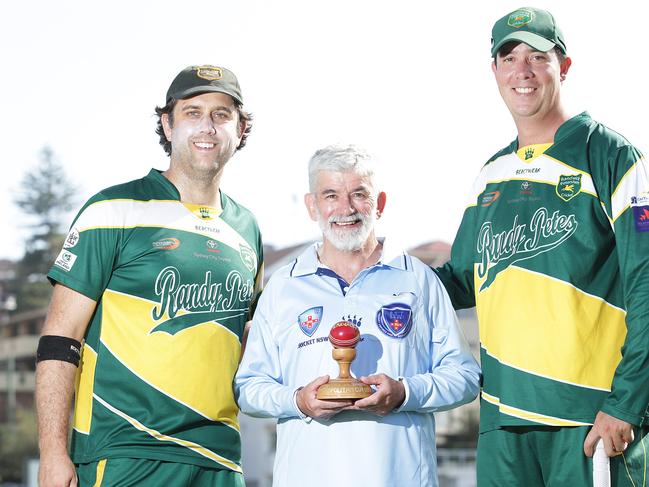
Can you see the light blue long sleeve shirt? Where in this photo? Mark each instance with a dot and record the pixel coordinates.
(408, 330)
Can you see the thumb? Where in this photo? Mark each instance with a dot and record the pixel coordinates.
(319, 381)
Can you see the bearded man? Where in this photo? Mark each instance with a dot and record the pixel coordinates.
(411, 350)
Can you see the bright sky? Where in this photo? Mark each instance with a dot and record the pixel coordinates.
(409, 80)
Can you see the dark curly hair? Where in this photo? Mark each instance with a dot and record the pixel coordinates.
(244, 116)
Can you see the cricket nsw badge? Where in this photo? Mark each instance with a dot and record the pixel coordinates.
(310, 319)
(395, 320)
(568, 186)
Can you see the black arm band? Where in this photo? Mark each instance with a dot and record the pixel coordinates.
(51, 347)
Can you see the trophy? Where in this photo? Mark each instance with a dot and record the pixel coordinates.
(344, 336)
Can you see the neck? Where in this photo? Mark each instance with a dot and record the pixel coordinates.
(348, 264)
(540, 130)
(196, 189)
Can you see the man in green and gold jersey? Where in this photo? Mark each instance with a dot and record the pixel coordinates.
(553, 250)
(157, 278)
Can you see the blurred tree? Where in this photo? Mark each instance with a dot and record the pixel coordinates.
(45, 197)
(18, 442)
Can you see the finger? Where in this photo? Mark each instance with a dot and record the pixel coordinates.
(609, 447)
(373, 380)
(619, 445)
(319, 381)
(628, 436)
(590, 442)
(369, 401)
(333, 405)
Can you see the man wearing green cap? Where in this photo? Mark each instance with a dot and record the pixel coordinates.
(553, 250)
(157, 278)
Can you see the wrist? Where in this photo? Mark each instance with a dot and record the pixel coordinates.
(297, 399)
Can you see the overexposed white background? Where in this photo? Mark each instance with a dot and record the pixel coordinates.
(409, 80)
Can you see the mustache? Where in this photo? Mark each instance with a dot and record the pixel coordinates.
(354, 217)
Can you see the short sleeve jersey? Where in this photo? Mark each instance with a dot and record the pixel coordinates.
(553, 250)
(174, 285)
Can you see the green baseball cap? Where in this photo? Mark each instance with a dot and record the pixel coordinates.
(535, 27)
(194, 80)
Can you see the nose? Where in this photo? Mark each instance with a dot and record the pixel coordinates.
(347, 206)
(523, 70)
(206, 125)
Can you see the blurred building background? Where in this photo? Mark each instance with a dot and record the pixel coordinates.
(19, 332)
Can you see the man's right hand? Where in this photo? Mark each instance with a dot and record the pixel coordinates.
(313, 407)
(56, 471)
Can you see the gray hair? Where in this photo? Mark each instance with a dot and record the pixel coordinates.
(341, 158)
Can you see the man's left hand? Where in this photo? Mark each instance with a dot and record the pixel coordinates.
(615, 433)
(389, 395)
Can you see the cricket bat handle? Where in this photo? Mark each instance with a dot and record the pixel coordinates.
(601, 466)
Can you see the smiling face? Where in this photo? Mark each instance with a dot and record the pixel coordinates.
(204, 134)
(345, 205)
(529, 81)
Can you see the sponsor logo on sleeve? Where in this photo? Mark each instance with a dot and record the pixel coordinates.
(640, 206)
(65, 260)
(395, 320)
(489, 198)
(310, 319)
(72, 239)
(170, 243)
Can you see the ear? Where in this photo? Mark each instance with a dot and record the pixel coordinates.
(166, 126)
(309, 201)
(565, 66)
(243, 125)
(380, 204)
(494, 68)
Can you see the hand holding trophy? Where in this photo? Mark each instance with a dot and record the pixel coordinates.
(344, 336)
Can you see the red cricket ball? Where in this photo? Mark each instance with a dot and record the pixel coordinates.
(344, 335)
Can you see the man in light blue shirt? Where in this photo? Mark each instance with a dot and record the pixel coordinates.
(416, 365)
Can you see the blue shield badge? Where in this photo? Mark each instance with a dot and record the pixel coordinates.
(395, 320)
(310, 319)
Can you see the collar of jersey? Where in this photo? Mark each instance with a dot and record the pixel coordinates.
(156, 175)
(308, 263)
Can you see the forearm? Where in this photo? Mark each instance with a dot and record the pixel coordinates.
(54, 389)
(265, 398)
(447, 387)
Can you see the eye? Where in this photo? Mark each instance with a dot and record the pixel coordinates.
(222, 115)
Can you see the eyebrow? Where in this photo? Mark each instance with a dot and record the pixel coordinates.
(200, 107)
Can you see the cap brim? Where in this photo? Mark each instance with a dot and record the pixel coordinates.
(197, 90)
(535, 41)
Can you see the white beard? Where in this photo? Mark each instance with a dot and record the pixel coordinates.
(347, 240)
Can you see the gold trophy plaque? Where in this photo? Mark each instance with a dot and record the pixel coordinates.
(344, 337)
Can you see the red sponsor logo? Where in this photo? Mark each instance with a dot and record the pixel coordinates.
(167, 243)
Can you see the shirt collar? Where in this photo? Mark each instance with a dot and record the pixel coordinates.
(308, 263)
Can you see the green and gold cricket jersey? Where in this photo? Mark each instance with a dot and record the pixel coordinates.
(174, 285)
(553, 250)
